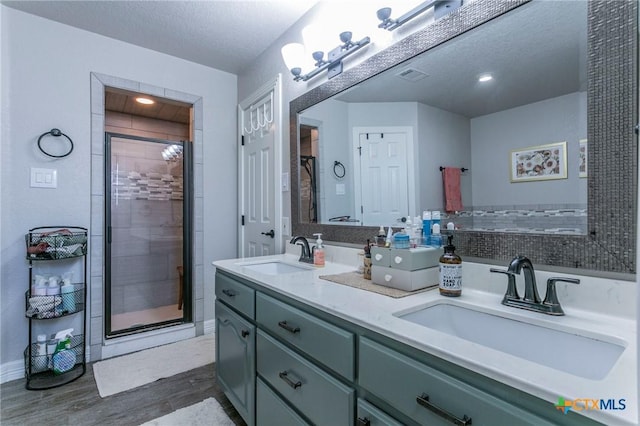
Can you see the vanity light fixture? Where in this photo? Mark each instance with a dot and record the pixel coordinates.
(483, 78)
(293, 55)
(440, 8)
(145, 101)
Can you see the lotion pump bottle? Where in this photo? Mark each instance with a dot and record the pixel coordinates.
(318, 252)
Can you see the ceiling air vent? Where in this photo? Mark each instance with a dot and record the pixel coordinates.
(411, 74)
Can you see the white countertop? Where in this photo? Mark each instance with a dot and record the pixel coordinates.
(375, 312)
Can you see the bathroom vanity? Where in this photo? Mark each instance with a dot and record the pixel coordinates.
(292, 348)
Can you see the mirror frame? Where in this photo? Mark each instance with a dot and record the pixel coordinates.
(612, 107)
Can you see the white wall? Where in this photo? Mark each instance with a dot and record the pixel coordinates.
(494, 136)
(45, 84)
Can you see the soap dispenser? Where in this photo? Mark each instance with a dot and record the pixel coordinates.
(450, 271)
(318, 252)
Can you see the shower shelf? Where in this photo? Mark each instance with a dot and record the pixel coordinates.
(52, 250)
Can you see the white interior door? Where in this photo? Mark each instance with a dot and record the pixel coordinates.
(382, 158)
(260, 199)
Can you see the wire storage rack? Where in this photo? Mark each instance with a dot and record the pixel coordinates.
(55, 303)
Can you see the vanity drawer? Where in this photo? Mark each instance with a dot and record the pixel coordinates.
(427, 395)
(235, 294)
(272, 411)
(370, 415)
(322, 341)
(323, 399)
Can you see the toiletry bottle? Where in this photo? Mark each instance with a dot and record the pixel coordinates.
(436, 237)
(389, 237)
(68, 297)
(318, 252)
(435, 218)
(426, 227)
(381, 237)
(450, 271)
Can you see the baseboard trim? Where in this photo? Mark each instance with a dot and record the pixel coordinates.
(14, 370)
(210, 326)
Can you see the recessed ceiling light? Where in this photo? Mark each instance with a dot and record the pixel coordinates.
(145, 101)
(485, 77)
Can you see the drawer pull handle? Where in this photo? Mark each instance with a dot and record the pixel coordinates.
(244, 333)
(287, 327)
(424, 401)
(229, 293)
(294, 385)
(363, 421)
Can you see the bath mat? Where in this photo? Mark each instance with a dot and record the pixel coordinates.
(130, 371)
(354, 279)
(205, 413)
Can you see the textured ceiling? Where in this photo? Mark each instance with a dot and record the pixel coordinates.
(223, 34)
(538, 52)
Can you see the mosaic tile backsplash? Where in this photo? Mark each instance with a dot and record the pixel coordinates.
(568, 219)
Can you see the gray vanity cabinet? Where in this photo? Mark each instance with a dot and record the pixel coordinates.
(282, 362)
(235, 360)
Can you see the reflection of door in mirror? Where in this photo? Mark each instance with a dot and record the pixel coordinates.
(381, 162)
(308, 181)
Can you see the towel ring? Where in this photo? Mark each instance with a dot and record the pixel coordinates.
(337, 166)
(55, 133)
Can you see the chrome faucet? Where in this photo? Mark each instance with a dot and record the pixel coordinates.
(531, 300)
(306, 255)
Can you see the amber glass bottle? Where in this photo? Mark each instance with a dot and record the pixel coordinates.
(450, 271)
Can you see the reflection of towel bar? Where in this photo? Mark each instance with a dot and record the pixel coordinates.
(462, 169)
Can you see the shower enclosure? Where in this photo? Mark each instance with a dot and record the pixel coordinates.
(148, 234)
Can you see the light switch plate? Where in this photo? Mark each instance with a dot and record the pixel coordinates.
(340, 189)
(285, 182)
(286, 226)
(44, 178)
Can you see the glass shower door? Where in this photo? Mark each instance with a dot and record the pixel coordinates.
(147, 234)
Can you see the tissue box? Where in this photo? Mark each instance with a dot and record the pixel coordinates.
(404, 280)
(406, 259)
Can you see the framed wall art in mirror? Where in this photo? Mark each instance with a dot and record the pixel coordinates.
(609, 242)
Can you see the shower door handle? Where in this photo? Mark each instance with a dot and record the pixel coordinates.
(271, 233)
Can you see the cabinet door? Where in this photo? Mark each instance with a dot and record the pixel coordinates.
(235, 360)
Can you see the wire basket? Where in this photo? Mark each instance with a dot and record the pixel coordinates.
(54, 306)
(50, 243)
(44, 363)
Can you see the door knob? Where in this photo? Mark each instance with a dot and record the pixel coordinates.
(271, 233)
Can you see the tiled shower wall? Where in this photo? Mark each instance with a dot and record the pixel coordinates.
(145, 252)
(146, 220)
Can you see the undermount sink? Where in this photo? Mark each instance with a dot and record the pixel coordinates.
(588, 357)
(275, 267)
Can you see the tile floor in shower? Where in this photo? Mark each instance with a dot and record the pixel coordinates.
(144, 317)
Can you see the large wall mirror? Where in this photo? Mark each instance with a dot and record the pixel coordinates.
(546, 144)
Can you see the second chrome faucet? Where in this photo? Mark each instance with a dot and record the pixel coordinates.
(531, 300)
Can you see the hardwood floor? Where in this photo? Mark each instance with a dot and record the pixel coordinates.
(79, 404)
